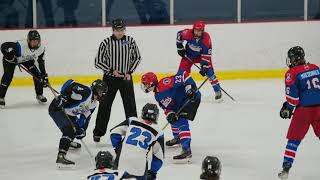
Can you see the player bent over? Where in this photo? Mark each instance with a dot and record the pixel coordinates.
(76, 103)
(132, 141)
(172, 93)
(211, 168)
(302, 82)
(104, 167)
(198, 49)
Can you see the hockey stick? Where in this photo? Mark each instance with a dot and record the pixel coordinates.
(186, 103)
(220, 86)
(56, 94)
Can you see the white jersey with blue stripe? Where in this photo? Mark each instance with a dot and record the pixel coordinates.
(26, 54)
(139, 138)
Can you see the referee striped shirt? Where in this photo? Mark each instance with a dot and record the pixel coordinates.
(122, 55)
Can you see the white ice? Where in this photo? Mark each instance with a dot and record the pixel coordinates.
(247, 135)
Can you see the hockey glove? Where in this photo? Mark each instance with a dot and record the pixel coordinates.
(44, 80)
(172, 117)
(285, 112)
(61, 101)
(151, 175)
(204, 69)
(182, 52)
(191, 92)
(80, 133)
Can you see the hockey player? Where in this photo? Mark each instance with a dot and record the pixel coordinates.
(132, 141)
(104, 167)
(211, 168)
(302, 82)
(172, 93)
(26, 53)
(198, 49)
(73, 108)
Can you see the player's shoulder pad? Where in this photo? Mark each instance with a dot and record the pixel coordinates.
(187, 33)
(165, 83)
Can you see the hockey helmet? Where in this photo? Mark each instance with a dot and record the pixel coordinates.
(211, 168)
(104, 159)
(199, 25)
(99, 88)
(150, 112)
(295, 57)
(149, 82)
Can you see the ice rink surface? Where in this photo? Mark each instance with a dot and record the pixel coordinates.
(247, 135)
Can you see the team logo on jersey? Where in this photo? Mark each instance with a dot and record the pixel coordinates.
(166, 102)
(123, 43)
(166, 81)
(195, 48)
(306, 66)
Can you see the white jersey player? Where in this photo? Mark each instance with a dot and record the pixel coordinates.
(132, 141)
(30, 54)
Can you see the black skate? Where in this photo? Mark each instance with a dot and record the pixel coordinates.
(183, 158)
(173, 142)
(2, 103)
(63, 162)
(218, 96)
(284, 174)
(75, 145)
(96, 139)
(41, 99)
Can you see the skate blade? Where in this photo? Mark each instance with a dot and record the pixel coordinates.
(42, 103)
(2, 107)
(183, 161)
(219, 100)
(66, 167)
(283, 176)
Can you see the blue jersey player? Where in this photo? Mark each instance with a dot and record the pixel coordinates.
(172, 93)
(302, 82)
(105, 168)
(73, 108)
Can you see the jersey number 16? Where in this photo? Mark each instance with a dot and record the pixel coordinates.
(139, 138)
(313, 83)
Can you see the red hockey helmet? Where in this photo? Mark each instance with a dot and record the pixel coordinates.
(199, 25)
(148, 82)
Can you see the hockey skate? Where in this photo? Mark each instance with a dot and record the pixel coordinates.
(284, 174)
(96, 139)
(63, 162)
(2, 103)
(41, 99)
(218, 96)
(183, 158)
(175, 142)
(75, 145)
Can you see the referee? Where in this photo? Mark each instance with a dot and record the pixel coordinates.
(118, 56)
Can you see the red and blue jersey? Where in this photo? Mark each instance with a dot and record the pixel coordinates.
(303, 85)
(196, 48)
(171, 94)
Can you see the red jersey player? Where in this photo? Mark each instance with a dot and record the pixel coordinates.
(198, 49)
(303, 97)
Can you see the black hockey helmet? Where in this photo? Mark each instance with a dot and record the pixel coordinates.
(118, 24)
(211, 168)
(295, 57)
(99, 88)
(34, 35)
(104, 159)
(150, 112)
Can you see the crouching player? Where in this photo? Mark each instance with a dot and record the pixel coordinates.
(172, 93)
(303, 97)
(73, 108)
(132, 141)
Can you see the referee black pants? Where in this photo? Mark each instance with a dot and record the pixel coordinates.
(128, 99)
(8, 72)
